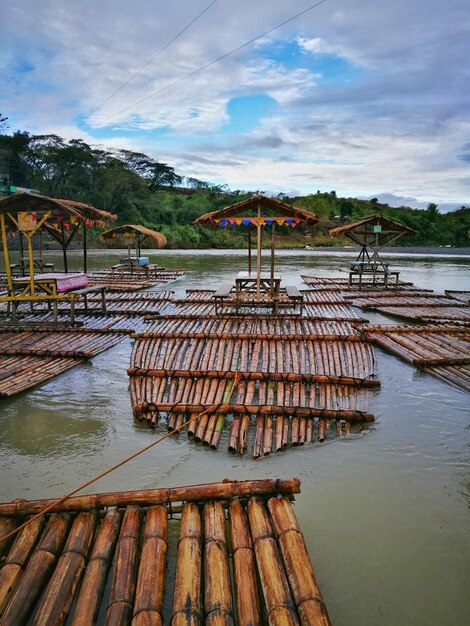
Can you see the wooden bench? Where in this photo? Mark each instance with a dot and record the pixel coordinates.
(84, 292)
(295, 295)
(221, 294)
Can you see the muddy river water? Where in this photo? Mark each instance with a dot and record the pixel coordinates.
(385, 513)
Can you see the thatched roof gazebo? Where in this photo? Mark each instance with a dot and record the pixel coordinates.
(27, 214)
(59, 217)
(136, 233)
(91, 216)
(258, 212)
(373, 232)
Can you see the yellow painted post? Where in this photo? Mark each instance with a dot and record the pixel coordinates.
(31, 263)
(6, 256)
(258, 260)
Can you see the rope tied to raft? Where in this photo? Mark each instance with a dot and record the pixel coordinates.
(50, 506)
(211, 409)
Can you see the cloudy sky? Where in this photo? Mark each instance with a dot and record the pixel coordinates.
(366, 97)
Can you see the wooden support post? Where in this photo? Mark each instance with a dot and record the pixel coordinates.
(249, 250)
(273, 245)
(21, 253)
(64, 247)
(6, 256)
(84, 248)
(258, 260)
(31, 264)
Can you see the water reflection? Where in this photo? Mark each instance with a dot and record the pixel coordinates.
(45, 432)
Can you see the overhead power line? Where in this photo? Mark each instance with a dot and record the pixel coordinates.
(154, 57)
(221, 58)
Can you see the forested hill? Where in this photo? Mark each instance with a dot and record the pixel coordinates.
(144, 191)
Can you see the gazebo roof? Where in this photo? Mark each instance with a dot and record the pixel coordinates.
(239, 208)
(135, 230)
(21, 201)
(362, 231)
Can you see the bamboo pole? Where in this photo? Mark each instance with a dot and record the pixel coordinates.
(275, 587)
(268, 435)
(303, 584)
(217, 588)
(7, 525)
(58, 596)
(246, 591)
(148, 605)
(187, 602)
(92, 587)
(249, 250)
(234, 434)
(6, 256)
(121, 600)
(16, 560)
(243, 436)
(258, 257)
(194, 493)
(244, 375)
(349, 414)
(37, 571)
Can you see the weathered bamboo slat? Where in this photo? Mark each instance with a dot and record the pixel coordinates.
(303, 584)
(280, 607)
(37, 571)
(218, 596)
(148, 606)
(58, 595)
(91, 591)
(13, 567)
(187, 603)
(123, 585)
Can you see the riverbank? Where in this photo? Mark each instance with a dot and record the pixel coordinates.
(397, 250)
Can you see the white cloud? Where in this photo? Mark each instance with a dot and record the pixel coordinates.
(399, 127)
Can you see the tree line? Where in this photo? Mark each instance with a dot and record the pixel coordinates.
(142, 190)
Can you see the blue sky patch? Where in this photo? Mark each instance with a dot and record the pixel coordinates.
(331, 67)
(245, 112)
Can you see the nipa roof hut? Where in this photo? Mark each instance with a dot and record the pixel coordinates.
(238, 209)
(135, 231)
(375, 229)
(59, 209)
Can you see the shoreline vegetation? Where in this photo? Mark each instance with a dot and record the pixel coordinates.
(142, 190)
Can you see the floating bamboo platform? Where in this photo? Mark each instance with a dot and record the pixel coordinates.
(404, 301)
(36, 349)
(122, 279)
(325, 282)
(442, 351)
(29, 357)
(271, 380)
(19, 373)
(463, 296)
(222, 553)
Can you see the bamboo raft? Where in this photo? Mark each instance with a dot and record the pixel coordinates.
(463, 296)
(274, 380)
(223, 553)
(442, 351)
(326, 282)
(407, 303)
(428, 314)
(29, 357)
(133, 280)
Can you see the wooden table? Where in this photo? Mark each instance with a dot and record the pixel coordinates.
(249, 282)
